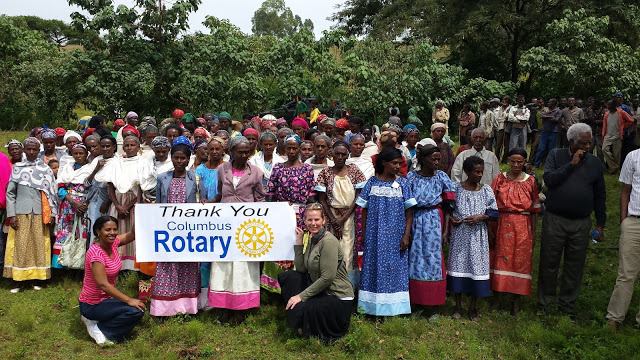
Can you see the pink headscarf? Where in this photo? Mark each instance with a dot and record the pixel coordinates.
(298, 121)
(202, 132)
(250, 131)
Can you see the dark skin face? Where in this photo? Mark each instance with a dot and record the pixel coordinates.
(49, 146)
(328, 129)
(149, 136)
(180, 161)
(71, 142)
(224, 124)
(281, 136)
(268, 145)
(128, 133)
(571, 102)
(253, 141)
(93, 146)
(216, 151)
(15, 152)
(367, 135)
(31, 151)
(201, 154)
(475, 175)
(306, 151)
(214, 126)
(389, 138)
(130, 147)
(108, 149)
(520, 101)
(357, 146)
(516, 165)
(241, 154)
(431, 162)
(392, 168)
(107, 234)
(355, 128)
(161, 153)
(438, 134)
(320, 149)
(292, 149)
(79, 155)
(412, 139)
(223, 134)
(299, 130)
(172, 134)
(132, 120)
(584, 142)
(478, 140)
(340, 156)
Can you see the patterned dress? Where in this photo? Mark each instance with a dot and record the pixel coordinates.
(511, 258)
(384, 282)
(468, 265)
(294, 185)
(427, 274)
(341, 195)
(177, 285)
(65, 220)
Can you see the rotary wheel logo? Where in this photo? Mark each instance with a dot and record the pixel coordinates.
(254, 237)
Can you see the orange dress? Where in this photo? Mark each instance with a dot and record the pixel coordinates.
(511, 256)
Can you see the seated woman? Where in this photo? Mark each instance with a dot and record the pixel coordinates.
(322, 306)
(108, 314)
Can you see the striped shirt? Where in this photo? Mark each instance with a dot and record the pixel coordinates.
(630, 175)
(91, 293)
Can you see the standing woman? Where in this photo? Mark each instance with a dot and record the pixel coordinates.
(236, 285)
(387, 211)
(319, 160)
(291, 181)
(72, 196)
(98, 194)
(434, 194)
(152, 167)
(207, 183)
(517, 197)
(318, 294)
(176, 285)
(124, 192)
(338, 187)
(16, 151)
(108, 314)
(364, 164)
(267, 158)
(468, 265)
(31, 207)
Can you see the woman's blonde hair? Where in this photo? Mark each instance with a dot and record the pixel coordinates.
(314, 207)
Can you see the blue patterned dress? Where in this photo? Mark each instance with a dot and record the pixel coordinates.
(427, 275)
(384, 283)
(468, 265)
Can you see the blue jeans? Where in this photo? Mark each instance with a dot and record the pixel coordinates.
(548, 142)
(115, 318)
(518, 138)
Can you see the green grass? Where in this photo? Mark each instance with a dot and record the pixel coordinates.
(46, 325)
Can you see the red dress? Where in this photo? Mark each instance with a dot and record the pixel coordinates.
(511, 256)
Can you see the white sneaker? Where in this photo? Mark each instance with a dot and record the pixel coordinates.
(14, 290)
(37, 288)
(94, 331)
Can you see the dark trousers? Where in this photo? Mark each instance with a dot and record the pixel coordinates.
(567, 240)
(548, 142)
(115, 318)
(500, 149)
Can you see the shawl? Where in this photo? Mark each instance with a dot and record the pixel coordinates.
(37, 175)
(150, 168)
(67, 175)
(123, 173)
(258, 161)
(364, 164)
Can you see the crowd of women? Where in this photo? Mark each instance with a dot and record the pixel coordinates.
(375, 209)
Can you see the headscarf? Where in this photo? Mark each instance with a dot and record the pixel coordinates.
(438, 125)
(250, 131)
(321, 117)
(69, 134)
(199, 143)
(298, 121)
(301, 107)
(281, 121)
(14, 142)
(224, 115)
(342, 124)
(217, 139)
(48, 134)
(267, 122)
(410, 128)
(188, 118)
(149, 120)
(118, 123)
(201, 121)
(177, 114)
(426, 141)
(328, 120)
(182, 140)
(293, 137)
(81, 146)
(31, 141)
(201, 132)
(160, 142)
(130, 114)
(256, 121)
(60, 131)
(130, 128)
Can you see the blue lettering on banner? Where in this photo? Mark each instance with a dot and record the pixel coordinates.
(179, 243)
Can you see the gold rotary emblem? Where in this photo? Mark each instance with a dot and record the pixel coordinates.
(254, 237)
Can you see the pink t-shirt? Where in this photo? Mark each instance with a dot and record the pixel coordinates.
(91, 293)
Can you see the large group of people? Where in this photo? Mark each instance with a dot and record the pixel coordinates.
(389, 221)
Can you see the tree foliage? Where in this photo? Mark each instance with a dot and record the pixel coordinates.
(275, 18)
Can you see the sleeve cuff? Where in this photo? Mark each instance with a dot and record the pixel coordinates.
(361, 202)
(361, 185)
(449, 196)
(492, 213)
(320, 188)
(409, 203)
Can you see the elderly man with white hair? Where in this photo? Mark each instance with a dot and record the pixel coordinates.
(575, 182)
(491, 163)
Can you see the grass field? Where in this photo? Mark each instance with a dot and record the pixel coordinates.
(46, 325)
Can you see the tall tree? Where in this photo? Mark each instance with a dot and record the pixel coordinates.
(275, 18)
(56, 31)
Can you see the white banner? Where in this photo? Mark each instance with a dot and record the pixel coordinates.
(214, 232)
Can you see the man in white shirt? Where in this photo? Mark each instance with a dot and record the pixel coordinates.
(518, 118)
(491, 164)
(629, 245)
(487, 123)
(504, 128)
